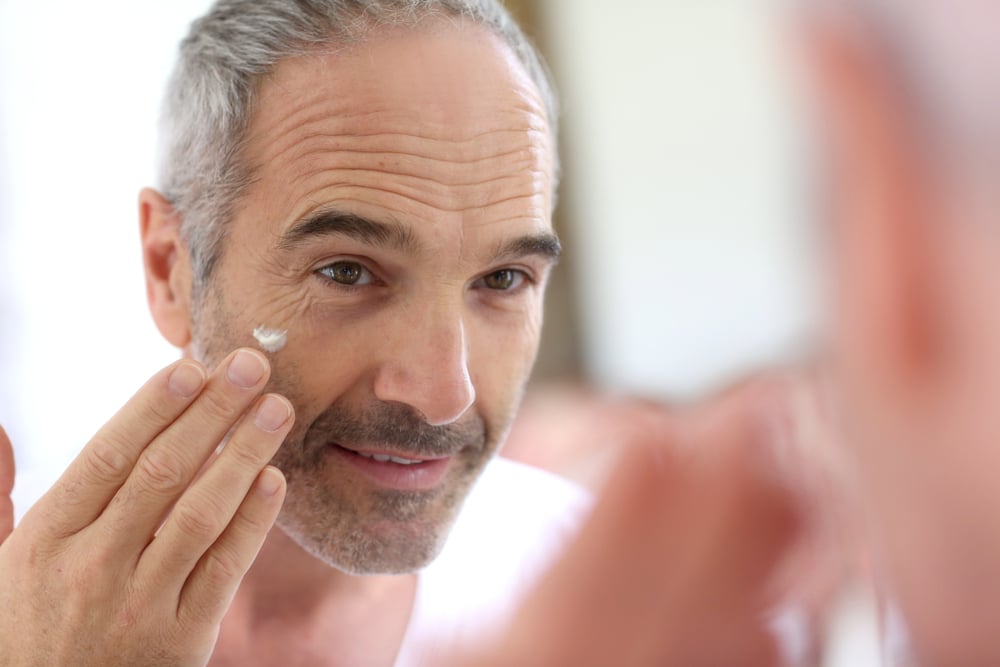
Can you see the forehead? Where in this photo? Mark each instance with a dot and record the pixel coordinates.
(440, 120)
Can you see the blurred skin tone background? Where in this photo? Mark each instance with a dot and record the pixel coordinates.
(719, 158)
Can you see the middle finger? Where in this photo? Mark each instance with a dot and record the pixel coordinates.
(170, 462)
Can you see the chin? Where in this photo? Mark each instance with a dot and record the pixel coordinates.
(383, 548)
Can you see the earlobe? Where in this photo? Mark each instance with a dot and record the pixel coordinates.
(167, 267)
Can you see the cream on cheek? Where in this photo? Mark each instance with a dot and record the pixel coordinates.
(271, 340)
(273, 322)
(284, 307)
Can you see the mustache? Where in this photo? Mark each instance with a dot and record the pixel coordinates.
(398, 426)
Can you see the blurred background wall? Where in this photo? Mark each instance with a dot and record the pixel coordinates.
(687, 262)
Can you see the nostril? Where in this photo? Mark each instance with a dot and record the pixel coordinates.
(435, 397)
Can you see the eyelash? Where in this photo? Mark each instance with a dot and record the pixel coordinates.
(326, 273)
(521, 279)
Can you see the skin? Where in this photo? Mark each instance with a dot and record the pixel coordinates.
(916, 249)
(423, 341)
(914, 356)
(90, 577)
(420, 342)
(915, 373)
(427, 328)
(7, 474)
(677, 564)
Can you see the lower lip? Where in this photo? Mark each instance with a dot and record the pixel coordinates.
(413, 477)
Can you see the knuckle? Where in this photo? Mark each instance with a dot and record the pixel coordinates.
(132, 611)
(220, 407)
(222, 565)
(243, 453)
(254, 523)
(82, 581)
(89, 579)
(156, 414)
(199, 524)
(105, 461)
(160, 472)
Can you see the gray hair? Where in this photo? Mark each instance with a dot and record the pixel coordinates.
(210, 98)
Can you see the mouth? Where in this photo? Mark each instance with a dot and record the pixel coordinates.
(393, 469)
(389, 458)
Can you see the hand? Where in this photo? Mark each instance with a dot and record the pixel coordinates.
(6, 486)
(132, 558)
(675, 565)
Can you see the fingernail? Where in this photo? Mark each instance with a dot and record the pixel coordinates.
(186, 380)
(269, 481)
(246, 369)
(272, 413)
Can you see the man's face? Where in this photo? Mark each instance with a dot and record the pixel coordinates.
(399, 229)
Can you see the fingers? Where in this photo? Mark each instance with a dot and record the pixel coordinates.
(207, 508)
(212, 584)
(6, 464)
(6, 485)
(85, 489)
(171, 461)
(673, 566)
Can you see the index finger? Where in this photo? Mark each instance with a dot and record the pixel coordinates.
(6, 464)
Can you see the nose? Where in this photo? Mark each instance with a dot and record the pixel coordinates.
(426, 367)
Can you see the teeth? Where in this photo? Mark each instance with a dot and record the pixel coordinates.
(383, 458)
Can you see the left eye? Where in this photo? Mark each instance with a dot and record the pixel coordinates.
(347, 273)
(504, 279)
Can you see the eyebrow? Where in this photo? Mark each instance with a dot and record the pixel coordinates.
(390, 234)
(395, 235)
(543, 244)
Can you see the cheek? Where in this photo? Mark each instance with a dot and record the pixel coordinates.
(324, 358)
(275, 307)
(333, 352)
(502, 353)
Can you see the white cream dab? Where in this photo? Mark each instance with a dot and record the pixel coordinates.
(271, 340)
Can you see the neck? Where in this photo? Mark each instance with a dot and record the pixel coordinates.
(284, 572)
(291, 597)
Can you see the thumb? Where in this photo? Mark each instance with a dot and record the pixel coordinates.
(6, 486)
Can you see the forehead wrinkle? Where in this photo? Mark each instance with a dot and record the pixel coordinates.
(412, 165)
(309, 95)
(425, 189)
(304, 141)
(528, 153)
(347, 86)
(442, 207)
(527, 160)
(274, 125)
(435, 183)
(429, 217)
(408, 122)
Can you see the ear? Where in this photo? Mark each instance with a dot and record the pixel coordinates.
(881, 210)
(167, 267)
